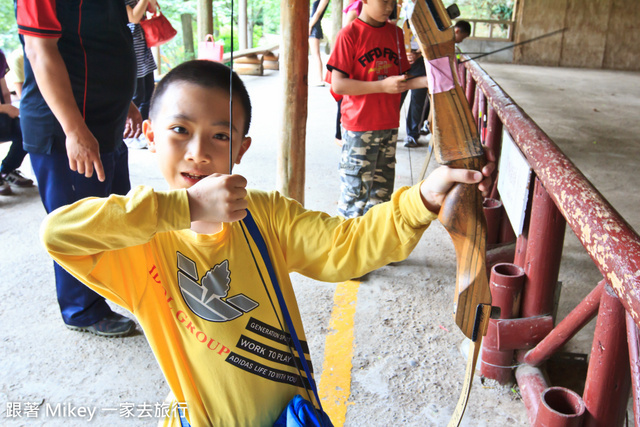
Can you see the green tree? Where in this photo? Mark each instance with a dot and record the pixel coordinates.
(8, 27)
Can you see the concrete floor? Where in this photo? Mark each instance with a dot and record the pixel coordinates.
(407, 368)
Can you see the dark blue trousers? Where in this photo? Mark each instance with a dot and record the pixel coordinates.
(59, 186)
(419, 105)
(16, 153)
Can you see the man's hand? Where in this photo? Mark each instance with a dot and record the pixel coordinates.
(133, 125)
(83, 152)
(434, 189)
(218, 198)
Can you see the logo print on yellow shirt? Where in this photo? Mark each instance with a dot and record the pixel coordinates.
(208, 299)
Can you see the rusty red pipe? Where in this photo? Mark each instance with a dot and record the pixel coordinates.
(608, 383)
(493, 213)
(506, 284)
(544, 253)
(567, 328)
(560, 407)
(633, 339)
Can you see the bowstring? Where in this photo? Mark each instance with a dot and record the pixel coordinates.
(242, 227)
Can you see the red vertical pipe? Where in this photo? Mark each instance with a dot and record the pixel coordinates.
(506, 284)
(560, 407)
(532, 383)
(521, 248)
(608, 380)
(462, 75)
(633, 339)
(493, 213)
(506, 234)
(470, 90)
(478, 98)
(567, 328)
(544, 251)
(494, 140)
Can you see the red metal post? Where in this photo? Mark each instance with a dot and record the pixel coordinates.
(633, 339)
(506, 284)
(507, 235)
(493, 213)
(544, 252)
(494, 139)
(521, 248)
(470, 89)
(523, 333)
(532, 383)
(560, 407)
(567, 328)
(608, 380)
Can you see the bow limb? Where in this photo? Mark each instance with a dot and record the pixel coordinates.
(456, 144)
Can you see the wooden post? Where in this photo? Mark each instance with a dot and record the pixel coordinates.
(336, 20)
(295, 68)
(205, 19)
(242, 24)
(187, 35)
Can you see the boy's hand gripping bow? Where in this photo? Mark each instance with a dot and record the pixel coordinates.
(457, 145)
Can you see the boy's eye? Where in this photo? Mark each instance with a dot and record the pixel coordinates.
(179, 129)
(221, 136)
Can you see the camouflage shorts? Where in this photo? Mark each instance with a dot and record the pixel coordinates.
(367, 170)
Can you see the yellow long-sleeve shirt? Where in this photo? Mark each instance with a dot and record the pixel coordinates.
(200, 299)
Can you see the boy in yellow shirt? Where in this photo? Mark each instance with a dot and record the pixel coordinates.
(181, 262)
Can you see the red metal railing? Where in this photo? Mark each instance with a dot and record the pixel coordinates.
(562, 195)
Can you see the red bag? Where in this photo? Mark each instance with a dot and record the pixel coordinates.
(157, 29)
(210, 50)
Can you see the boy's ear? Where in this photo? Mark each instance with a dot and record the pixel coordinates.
(147, 130)
(246, 143)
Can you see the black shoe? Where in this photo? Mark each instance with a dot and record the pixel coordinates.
(410, 142)
(112, 325)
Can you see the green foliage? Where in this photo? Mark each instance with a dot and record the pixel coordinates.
(8, 27)
(486, 9)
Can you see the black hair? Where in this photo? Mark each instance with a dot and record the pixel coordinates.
(464, 26)
(208, 74)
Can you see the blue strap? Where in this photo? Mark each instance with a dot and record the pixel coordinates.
(183, 419)
(262, 247)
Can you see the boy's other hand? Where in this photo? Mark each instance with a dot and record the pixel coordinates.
(435, 188)
(218, 198)
(395, 84)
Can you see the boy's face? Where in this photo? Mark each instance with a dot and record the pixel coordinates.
(190, 133)
(378, 10)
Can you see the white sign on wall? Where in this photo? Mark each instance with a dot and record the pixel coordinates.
(514, 180)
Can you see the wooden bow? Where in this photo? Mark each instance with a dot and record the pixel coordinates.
(456, 144)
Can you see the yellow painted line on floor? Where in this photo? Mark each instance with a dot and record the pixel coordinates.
(335, 384)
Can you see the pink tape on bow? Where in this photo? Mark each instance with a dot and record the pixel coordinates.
(439, 76)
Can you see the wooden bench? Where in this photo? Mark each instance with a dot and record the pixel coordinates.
(255, 60)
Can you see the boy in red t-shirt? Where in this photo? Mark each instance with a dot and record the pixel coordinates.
(367, 67)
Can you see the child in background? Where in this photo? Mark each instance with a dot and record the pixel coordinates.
(10, 131)
(367, 67)
(180, 262)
